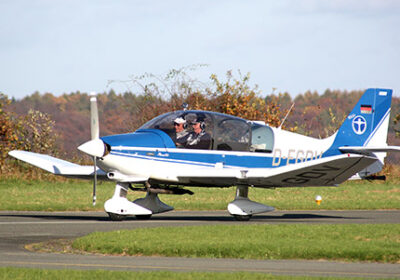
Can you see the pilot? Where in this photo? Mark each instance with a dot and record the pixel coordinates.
(181, 134)
(198, 139)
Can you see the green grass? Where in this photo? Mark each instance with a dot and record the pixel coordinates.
(27, 273)
(71, 195)
(74, 195)
(378, 243)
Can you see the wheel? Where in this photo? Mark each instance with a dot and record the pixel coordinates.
(143, 217)
(116, 217)
(242, 218)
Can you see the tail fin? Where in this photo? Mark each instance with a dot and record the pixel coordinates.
(367, 124)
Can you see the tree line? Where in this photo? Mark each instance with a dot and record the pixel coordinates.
(46, 123)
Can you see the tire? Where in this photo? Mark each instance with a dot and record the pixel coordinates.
(116, 217)
(242, 218)
(143, 217)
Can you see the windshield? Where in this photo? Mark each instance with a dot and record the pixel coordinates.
(188, 129)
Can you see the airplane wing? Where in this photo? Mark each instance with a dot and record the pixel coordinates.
(58, 166)
(321, 172)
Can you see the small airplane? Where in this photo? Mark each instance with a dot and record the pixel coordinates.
(208, 149)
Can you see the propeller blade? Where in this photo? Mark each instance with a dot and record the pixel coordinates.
(95, 147)
(94, 181)
(94, 116)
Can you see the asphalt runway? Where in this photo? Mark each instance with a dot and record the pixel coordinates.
(20, 228)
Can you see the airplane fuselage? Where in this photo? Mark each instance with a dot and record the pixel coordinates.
(164, 163)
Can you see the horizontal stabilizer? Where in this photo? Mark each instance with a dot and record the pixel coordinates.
(58, 166)
(366, 150)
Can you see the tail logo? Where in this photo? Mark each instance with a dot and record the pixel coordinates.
(359, 125)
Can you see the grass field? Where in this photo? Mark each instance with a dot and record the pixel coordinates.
(74, 195)
(377, 243)
(361, 242)
(26, 273)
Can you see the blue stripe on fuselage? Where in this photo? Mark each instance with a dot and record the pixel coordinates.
(206, 158)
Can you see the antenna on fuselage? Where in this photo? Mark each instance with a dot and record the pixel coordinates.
(287, 114)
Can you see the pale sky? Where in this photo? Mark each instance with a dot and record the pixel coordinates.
(292, 45)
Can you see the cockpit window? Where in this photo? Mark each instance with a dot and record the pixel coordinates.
(208, 130)
(262, 138)
(187, 129)
(232, 134)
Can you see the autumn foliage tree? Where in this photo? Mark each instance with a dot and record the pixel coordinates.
(234, 96)
(37, 133)
(30, 132)
(9, 139)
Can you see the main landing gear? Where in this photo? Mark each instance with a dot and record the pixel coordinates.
(242, 208)
(119, 207)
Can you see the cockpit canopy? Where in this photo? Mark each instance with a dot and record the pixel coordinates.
(224, 132)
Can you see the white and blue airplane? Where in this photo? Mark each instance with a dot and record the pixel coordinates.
(219, 150)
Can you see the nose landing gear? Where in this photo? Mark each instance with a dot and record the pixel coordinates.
(119, 207)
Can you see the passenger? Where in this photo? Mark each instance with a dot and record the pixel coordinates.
(181, 134)
(198, 139)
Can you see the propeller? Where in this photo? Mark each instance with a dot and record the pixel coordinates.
(95, 133)
(94, 147)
